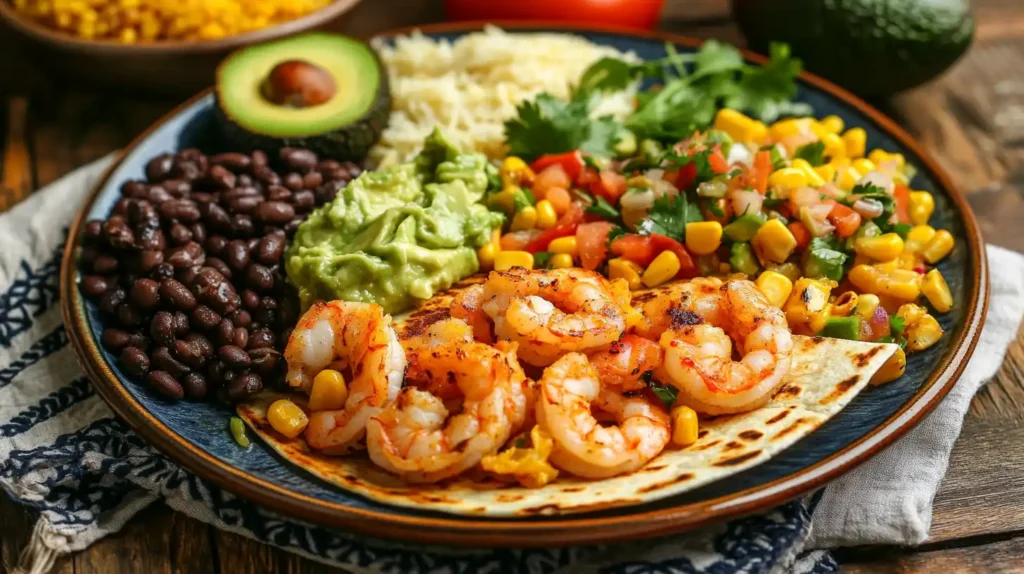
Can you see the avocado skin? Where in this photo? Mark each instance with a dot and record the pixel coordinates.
(870, 47)
(348, 143)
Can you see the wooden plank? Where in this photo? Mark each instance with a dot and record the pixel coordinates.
(16, 162)
(992, 558)
(240, 554)
(16, 527)
(141, 546)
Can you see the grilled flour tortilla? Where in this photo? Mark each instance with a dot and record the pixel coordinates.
(826, 375)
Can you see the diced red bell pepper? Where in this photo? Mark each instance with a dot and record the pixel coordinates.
(758, 175)
(717, 160)
(901, 194)
(801, 234)
(565, 227)
(643, 249)
(571, 162)
(592, 242)
(846, 220)
(610, 185)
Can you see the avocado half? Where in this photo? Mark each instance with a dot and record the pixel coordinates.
(343, 122)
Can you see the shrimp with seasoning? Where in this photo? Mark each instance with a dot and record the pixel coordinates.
(467, 306)
(583, 446)
(624, 363)
(700, 296)
(698, 355)
(353, 336)
(550, 313)
(419, 439)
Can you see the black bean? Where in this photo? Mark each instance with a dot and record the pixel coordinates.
(141, 214)
(178, 188)
(151, 238)
(157, 194)
(134, 189)
(95, 285)
(181, 323)
(259, 158)
(231, 160)
(275, 212)
(184, 210)
(215, 371)
(202, 198)
(240, 337)
(145, 293)
(178, 295)
(194, 386)
(250, 299)
(136, 339)
(246, 204)
(215, 244)
(88, 256)
(278, 193)
(93, 230)
(165, 385)
(149, 259)
(220, 266)
(236, 254)
(186, 275)
(226, 197)
(180, 234)
(215, 216)
(118, 234)
(162, 271)
(198, 232)
(234, 356)
(311, 180)
(220, 177)
(205, 318)
(259, 277)
(293, 181)
(261, 338)
(187, 170)
(303, 201)
(128, 315)
(270, 248)
(264, 316)
(298, 159)
(266, 176)
(284, 335)
(159, 167)
(202, 343)
(121, 208)
(353, 169)
(161, 328)
(224, 332)
(114, 340)
(189, 255)
(242, 225)
(135, 361)
(189, 354)
(162, 360)
(244, 386)
(112, 299)
(240, 318)
(264, 359)
(292, 226)
(243, 180)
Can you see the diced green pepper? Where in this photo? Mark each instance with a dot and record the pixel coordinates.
(238, 431)
(742, 259)
(744, 227)
(626, 145)
(866, 229)
(719, 137)
(842, 328)
(651, 150)
(823, 261)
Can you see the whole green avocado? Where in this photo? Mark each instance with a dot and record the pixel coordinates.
(396, 236)
(870, 47)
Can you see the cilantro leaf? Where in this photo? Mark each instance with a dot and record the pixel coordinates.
(669, 216)
(699, 158)
(897, 324)
(666, 393)
(614, 234)
(540, 259)
(549, 125)
(813, 153)
(824, 259)
(714, 57)
(601, 207)
(606, 74)
(767, 91)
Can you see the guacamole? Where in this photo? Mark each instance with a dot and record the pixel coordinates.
(397, 236)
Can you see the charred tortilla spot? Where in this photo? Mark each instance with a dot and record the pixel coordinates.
(573, 489)
(740, 459)
(792, 427)
(509, 497)
(788, 389)
(711, 444)
(732, 445)
(806, 295)
(683, 317)
(777, 417)
(841, 388)
(660, 485)
(751, 434)
(702, 433)
(653, 468)
(643, 297)
(863, 359)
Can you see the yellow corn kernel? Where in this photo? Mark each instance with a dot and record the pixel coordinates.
(329, 391)
(789, 270)
(788, 178)
(790, 127)
(739, 127)
(936, 290)
(684, 426)
(896, 283)
(808, 302)
(564, 245)
(775, 286)
(560, 261)
(505, 260)
(703, 237)
(773, 241)
(923, 334)
(287, 418)
(847, 178)
(885, 247)
(525, 218)
(800, 163)
(514, 171)
(485, 255)
(663, 268)
(827, 172)
(892, 369)
(938, 247)
(845, 304)
(856, 140)
(813, 179)
(625, 269)
(879, 156)
(832, 124)
(546, 216)
(867, 304)
(911, 314)
(863, 166)
(921, 207)
(918, 237)
(835, 147)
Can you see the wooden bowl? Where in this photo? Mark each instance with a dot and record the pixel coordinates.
(176, 68)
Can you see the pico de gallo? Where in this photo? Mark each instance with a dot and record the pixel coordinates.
(831, 233)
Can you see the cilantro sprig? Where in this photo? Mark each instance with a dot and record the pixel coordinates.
(669, 216)
(549, 125)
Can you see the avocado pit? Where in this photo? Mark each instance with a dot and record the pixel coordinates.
(298, 84)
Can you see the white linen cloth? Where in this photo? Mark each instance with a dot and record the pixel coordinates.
(63, 452)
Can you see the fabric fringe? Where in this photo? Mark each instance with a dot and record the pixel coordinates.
(37, 557)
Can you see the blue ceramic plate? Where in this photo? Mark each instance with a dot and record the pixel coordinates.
(196, 434)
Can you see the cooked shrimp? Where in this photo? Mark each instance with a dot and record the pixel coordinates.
(418, 349)
(585, 447)
(698, 357)
(623, 363)
(467, 306)
(550, 313)
(415, 437)
(700, 297)
(353, 336)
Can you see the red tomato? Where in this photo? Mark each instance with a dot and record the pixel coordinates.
(845, 219)
(610, 185)
(902, 196)
(592, 242)
(517, 240)
(565, 227)
(642, 249)
(761, 170)
(551, 177)
(684, 178)
(717, 161)
(629, 13)
(801, 233)
(571, 162)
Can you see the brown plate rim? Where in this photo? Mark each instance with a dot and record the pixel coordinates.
(464, 531)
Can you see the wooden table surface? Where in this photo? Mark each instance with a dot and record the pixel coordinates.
(971, 120)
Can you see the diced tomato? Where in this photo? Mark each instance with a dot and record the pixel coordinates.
(588, 176)
(551, 177)
(610, 185)
(559, 198)
(801, 234)
(902, 196)
(717, 160)
(517, 240)
(592, 242)
(565, 227)
(571, 162)
(642, 249)
(684, 177)
(758, 176)
(846, 220)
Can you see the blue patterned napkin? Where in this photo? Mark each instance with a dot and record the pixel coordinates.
(63, 453)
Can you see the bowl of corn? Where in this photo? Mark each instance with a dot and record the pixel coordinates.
(169, 47)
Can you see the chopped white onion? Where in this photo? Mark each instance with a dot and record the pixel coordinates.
(804, 196)
(738, 153)
(868, 208)
(746, 201)
(636, 199)
(878, 179)
(815, 218)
